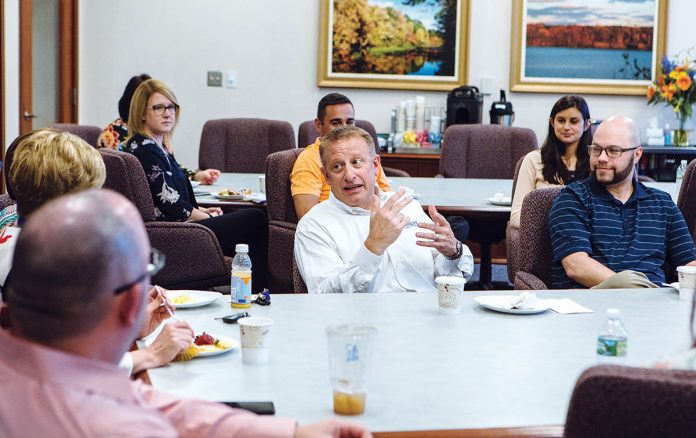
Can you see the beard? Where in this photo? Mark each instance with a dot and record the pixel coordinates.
(619, 175)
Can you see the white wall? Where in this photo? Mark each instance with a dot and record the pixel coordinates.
(272, 46)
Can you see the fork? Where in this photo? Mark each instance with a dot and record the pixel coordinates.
(169, 311)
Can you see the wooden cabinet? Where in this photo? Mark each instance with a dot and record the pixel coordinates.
(417, 165)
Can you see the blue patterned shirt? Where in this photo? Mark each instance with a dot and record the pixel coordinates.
(642, 234)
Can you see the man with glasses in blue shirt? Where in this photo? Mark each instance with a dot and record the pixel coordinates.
(611, 231)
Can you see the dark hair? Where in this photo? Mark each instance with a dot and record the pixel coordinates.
(328, 100)
(553, 168)
(125, 101)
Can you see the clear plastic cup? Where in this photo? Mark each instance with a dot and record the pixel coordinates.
(350, 357)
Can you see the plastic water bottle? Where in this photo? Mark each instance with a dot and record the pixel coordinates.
(681, 170)
(612, 341)
(241, 277)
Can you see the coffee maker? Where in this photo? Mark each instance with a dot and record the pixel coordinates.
(464, 106)
(501, 112)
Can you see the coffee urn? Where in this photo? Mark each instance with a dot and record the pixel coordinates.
(464, 106)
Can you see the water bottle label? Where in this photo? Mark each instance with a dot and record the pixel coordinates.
(611, 347)
(241, 288)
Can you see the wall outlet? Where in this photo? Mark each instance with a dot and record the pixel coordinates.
(214, 78)
(231, 79)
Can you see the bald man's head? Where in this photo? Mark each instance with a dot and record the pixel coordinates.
(616, 132)
(620, 127)
(71, 255)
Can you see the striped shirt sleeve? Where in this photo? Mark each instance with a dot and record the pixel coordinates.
(569, 226)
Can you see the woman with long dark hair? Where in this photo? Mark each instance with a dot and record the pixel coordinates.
(563, 157)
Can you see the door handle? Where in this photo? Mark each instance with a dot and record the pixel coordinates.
(27, 115)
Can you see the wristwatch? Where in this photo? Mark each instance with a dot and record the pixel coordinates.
(458, 254)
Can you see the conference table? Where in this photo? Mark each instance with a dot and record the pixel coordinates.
(479, 372)
(460, 196)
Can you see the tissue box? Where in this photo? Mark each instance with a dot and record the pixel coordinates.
(659, 141)
(655, 132)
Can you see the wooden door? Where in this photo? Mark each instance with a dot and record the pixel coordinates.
(48, 63)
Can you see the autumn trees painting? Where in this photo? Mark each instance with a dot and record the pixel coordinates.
(395, 40)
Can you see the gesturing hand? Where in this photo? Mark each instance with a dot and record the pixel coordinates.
(386, 222)
(441, 236)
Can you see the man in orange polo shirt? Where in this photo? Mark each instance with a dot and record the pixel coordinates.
(308, 184)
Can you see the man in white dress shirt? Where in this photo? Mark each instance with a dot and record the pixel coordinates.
(365, 240)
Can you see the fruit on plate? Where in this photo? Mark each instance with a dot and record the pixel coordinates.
(230, 192)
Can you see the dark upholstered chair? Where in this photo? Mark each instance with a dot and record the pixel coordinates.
(194, 257)
(242, 145)
(512, 235)
(88, 133)
(618, 402)
(484, 151)
(687, 198)
(298, 281)
(534, 254)
(282, 220)
(307, 134)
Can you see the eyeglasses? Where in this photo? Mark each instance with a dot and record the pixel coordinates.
(160, 109)
(157, 260)
(612, 151)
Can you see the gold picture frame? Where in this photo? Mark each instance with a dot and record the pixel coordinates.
(537, 78)
(455, 60)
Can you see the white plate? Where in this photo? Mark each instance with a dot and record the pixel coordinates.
(674, 285)
(499, 303)
(197, 297)
(233, 344)
(195, 184)
(217, 195)
(505, 201)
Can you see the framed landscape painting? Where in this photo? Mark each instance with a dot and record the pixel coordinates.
(400, 44)
(586, 46)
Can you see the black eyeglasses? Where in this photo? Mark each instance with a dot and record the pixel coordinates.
(157, 260)
(612, 151)
(160, 109)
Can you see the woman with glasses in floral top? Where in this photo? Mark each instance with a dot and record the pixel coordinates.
(154, 113)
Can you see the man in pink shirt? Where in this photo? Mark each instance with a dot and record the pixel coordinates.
(76, 295)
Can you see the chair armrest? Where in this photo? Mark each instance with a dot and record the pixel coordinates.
(527, 281)
(194, 256)
(391, 171)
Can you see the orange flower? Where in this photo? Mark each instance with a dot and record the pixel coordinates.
(667, 94)
(651, 92)
(661, 80)
(683, 82)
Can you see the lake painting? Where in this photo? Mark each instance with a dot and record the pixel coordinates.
(394, 37)
(591, 39)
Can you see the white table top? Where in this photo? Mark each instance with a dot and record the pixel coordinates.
(464, 194)
(480, 369)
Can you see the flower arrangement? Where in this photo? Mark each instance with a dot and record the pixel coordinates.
(675, 86)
